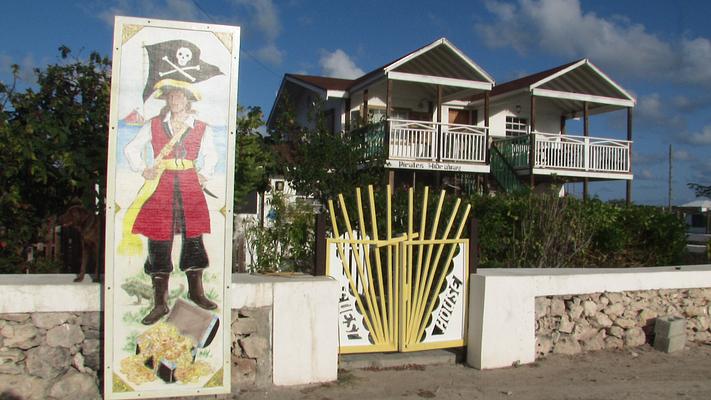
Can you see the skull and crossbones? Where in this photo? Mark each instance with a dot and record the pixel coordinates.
(183, 56)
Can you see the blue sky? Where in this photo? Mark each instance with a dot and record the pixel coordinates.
(659, 50)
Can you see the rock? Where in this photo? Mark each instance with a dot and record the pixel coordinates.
(544, 344)
(542, 305)
(92, 334)
(244, 371)
(565, 326)
(647, 317)
(23, 387)
(616, 331)
(78, 362)
(48, 362)
(638, 305)
(47, 320)
(634, 337)
(584, 333)
(604, 301)
(90, 346)
(9, 361)
(244, 326)
(23, 336)
(589, 308)
(594, 297)
(602, 321)
(254, 346)
(91, 320)
(614, 310)
(576, 310)
(703, 322)
(75, 385)
(567, 345)
(65, 335)
(700, 293)
(614, 343)
(703, 337)
(597, 342)
(695, 311)
(557, 307)
(625, 323)
(15, 317)
(93, 361)
(614, 297)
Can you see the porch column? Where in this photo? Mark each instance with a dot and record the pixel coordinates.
(532, 144)
(347, 122)
(586, 133)
(628, 194)
(438, 138)
(365, 107)
(562, 124)
(487, 96)
(388, 98)
(486, 125)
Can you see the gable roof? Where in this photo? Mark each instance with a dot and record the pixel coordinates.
(323, 82)
(579, 80)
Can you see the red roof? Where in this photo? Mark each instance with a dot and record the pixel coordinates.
(323, 82)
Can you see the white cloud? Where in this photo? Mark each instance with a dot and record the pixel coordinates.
(682, 155)
(561, 27)
(338, 64)
(645, 174)
(270, 54)
(699, 138)
(182, 10)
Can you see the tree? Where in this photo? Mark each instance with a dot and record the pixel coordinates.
(53, 141)
(700, 190)
(322, 163)
(254, 161)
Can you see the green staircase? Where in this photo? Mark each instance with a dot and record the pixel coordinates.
(506, 156)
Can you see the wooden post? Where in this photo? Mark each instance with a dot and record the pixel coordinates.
(628, 194)
(474, 248)
(562, 124)
(586, 133)
(438, 139)
(365, 107)
(532, 144)
(388, 98)
(391, 179)
(347, 122)
(320, 250)
(533, 113)
(486, 125)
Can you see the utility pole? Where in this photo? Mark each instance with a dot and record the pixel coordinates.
(670, 178)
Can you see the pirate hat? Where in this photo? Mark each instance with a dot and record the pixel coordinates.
(176, 64)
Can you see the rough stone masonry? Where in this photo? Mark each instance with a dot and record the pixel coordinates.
(58, 355)
(577, 323)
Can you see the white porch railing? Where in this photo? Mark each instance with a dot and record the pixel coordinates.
(433, 141)
(581, 153)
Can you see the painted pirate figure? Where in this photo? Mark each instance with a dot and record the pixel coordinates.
(175, 203)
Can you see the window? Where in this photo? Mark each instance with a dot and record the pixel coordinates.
(376, 115)
(516, 126)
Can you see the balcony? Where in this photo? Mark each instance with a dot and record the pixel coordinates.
(427, 145)
(567, 155)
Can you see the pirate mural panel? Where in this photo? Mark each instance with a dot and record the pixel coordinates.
(169, 211)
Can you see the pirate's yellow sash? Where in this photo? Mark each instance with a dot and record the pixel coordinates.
(131, 244)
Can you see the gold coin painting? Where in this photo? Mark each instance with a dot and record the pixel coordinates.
(171, 163)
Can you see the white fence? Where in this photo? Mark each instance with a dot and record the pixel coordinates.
(433, 141)
(582, 153)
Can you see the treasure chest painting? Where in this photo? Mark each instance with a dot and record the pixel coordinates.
(169, 209)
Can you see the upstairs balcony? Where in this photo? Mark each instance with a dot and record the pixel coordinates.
(424, 145)
(543, 153)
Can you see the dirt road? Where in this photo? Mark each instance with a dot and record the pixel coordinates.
(642, 373)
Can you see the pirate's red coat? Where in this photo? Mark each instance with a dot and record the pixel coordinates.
(179, 194)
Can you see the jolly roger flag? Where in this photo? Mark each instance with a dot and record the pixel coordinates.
(176, 63)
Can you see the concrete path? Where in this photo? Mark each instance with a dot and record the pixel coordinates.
(642, 373)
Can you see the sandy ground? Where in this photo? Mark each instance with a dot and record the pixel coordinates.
(642, 373)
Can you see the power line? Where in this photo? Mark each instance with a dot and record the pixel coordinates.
(242, 49)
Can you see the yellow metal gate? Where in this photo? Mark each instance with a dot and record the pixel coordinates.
(399, 292)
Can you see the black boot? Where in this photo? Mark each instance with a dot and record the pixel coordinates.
(195, 291)
(160, 299)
